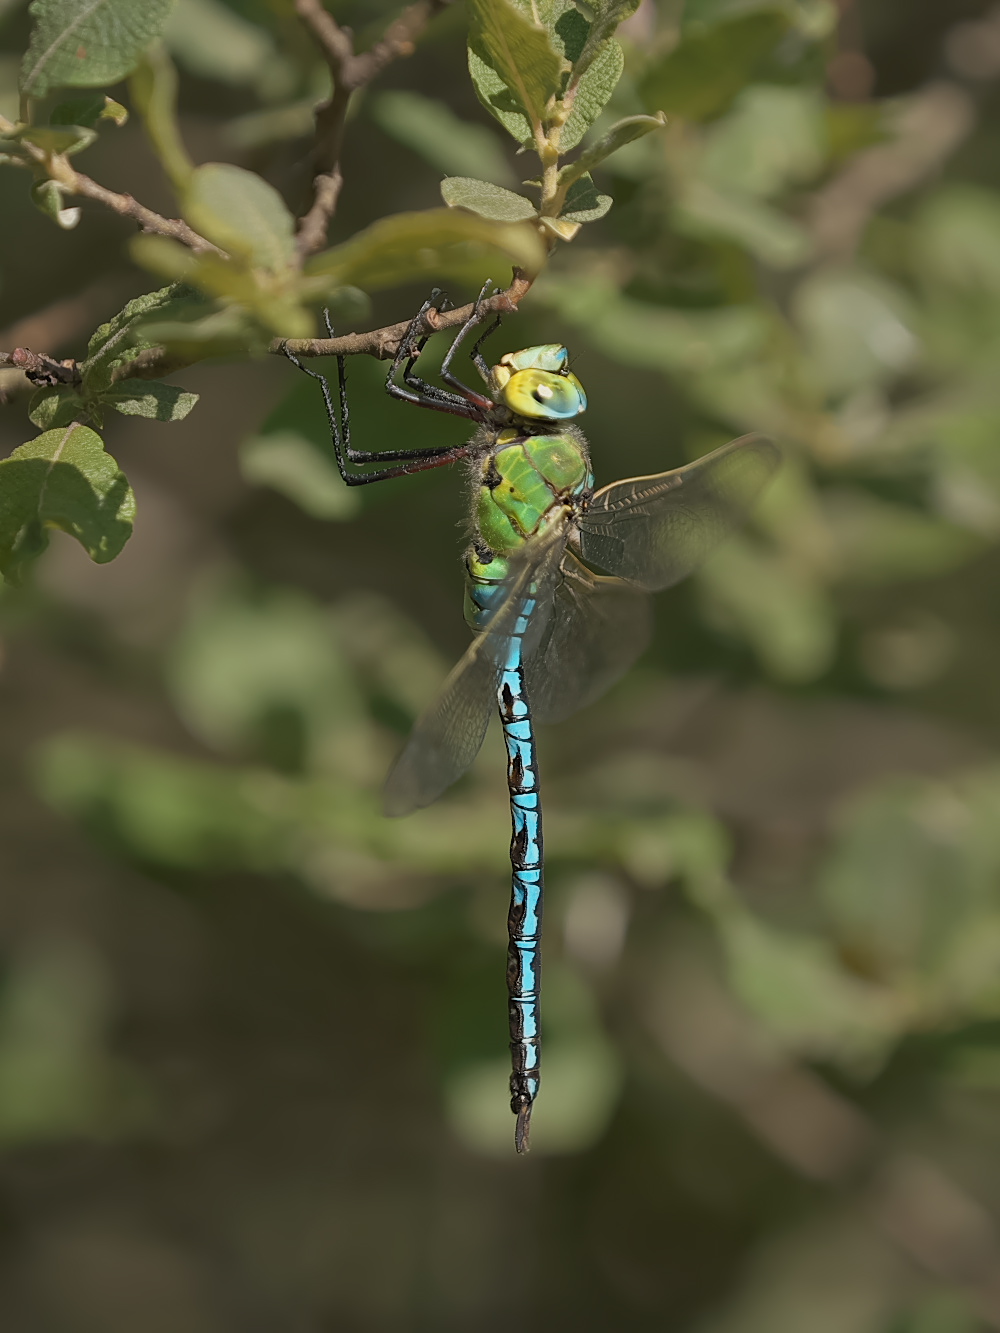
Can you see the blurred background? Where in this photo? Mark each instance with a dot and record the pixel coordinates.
(253, 1037)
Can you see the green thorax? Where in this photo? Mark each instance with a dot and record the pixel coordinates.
(526, 477)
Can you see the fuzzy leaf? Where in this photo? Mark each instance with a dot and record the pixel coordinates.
(411, 246)
(241, 213)
(117, 342)
(583, 203)
(607, 17)
(513, 64)
(625, 131)
(88, 43)
(702, 75)
(56, 407)
(594, 93)
(150, 398)
(489, 201)
(62, 479)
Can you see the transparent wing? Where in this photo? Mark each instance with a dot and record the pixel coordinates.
(653, 531)
(448, 736)
(595, 630)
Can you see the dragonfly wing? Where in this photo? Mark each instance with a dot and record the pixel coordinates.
(653, 531)
(449, 735)
(595, 630)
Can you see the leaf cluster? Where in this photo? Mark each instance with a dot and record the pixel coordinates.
(546, 72)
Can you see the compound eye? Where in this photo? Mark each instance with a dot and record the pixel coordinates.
(543, 393)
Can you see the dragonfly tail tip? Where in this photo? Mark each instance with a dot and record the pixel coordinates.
(522, 1130)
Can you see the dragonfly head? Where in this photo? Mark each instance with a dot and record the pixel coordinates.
(537, 383)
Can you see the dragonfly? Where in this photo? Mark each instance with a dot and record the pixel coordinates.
(556, 591)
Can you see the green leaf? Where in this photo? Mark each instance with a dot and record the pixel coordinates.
(212, 40)
(621, 133)
(773, 603)
(241, 213)
(153, 87)
(769, 235)
(68, 139)
(583, 203)
(88, 43)
(276, 306)
(56, 407)
(47, 196)
(456, 147)
(703, 74)
(412, 246)
(489, 201)
(773, 138)
(498, 100)
(514, 66)
(118, 341)
(62, 479)
(220, 332)
(593, 93)
(858, 328)
(88, 111)
(289, 463)
(607, 17)
(149, 398)
(957, 241)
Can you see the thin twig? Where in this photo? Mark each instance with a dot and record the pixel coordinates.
(156, 362)
(384, 343)
(74, 182)
(350, 72)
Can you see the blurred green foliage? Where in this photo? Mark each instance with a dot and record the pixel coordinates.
(252, 1037)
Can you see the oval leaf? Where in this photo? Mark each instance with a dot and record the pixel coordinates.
(594, 92)
(56, 407)
(88, 43)
(149, 398)
(241, 213)
(625, 131)
(118, 341)
(62, 479)
(583, 203)
(413, 246)
(527, 70)
(489, 201)
(701, 76)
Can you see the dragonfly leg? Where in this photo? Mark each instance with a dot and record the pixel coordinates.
(419, 391)
(476, 356)
(411, 460)
(477, 400)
